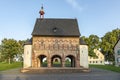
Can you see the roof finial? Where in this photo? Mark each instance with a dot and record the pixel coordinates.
(42, 12)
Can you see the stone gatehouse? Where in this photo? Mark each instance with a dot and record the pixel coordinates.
(55, 40)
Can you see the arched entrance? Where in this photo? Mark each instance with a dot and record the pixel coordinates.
(69, 61)
(56, 61)
(43, 61)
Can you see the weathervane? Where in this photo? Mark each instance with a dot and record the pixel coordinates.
(42, 12)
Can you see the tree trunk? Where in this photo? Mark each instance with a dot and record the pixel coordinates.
(9, 60)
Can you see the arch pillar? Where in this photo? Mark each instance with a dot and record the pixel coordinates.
(77, 63)
(36, 63)
(77, 59)
(63, 60)
(49, 61)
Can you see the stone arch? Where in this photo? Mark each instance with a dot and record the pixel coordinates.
(56, 64)
(56, 60)
(42, 60)
(70, 61)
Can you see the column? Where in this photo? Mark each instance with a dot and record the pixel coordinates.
(77, 62)
(36, 62)
(63, 60)
(49, 61)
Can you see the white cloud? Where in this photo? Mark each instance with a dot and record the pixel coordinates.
(74, 4)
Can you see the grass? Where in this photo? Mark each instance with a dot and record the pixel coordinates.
(6, 66)
(57, 64)
(107, 67)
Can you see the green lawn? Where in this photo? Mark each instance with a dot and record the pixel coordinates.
(6, 66)
(107, 67)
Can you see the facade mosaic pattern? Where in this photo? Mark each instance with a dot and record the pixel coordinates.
(52, 47)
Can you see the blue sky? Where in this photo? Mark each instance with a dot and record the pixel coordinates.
(17, 17)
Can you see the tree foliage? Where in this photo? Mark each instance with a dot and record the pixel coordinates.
(21, 43)
(93, 43)
(104, 44)
(9, 48)
(108, 42)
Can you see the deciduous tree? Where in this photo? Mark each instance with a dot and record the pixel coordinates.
(93, 43)
(9, 48)
(108, 42)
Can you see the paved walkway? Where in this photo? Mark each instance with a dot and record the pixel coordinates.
(95, 74)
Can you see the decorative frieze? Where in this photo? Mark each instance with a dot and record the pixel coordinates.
(55, 46)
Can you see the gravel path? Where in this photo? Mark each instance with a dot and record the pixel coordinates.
(95, 74)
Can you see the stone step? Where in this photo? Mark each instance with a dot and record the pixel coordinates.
(54, 70)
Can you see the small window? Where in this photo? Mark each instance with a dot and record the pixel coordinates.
(100, 61)
(82, 51)
(118, 52)
(96, 62)
(118, 59)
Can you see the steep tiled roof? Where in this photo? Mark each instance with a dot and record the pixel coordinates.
(56, 27)
(29, 42)
(82, 42)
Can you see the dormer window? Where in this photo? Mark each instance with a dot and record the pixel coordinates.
(55, 29)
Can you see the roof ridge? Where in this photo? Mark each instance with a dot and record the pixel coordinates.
(59, 18)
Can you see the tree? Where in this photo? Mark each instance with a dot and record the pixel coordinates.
(93, 43)
(108, 42)
(21, 48)
(21, 43)
(9, 48)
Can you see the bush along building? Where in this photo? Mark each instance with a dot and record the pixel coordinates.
(55, 45)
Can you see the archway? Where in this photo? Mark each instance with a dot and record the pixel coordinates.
(43, 60)
(56, 61)
(70, 61)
